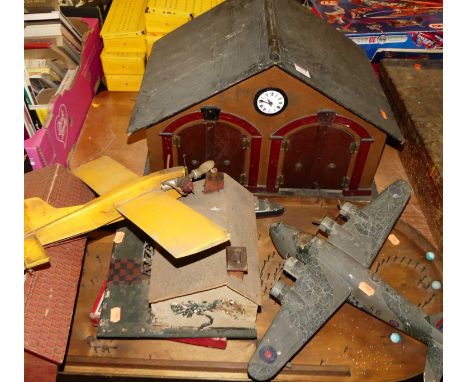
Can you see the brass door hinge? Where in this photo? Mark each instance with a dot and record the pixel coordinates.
(285, 145)
(245, 143)
(353, 148)
(280, 180)
(345, 183)
(243, 179)
(176, 140)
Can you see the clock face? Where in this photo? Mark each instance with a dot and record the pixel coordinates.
(270, 101)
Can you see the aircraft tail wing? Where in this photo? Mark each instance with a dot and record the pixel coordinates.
(364, 233)
(38, 213)
(177, 228)
(316, 295)
(104, 174)
(433, 369)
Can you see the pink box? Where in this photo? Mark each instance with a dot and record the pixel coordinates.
(68, 109)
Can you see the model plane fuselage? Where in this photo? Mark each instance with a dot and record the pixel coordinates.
(330, 272)
(150, 202)
(100, 211)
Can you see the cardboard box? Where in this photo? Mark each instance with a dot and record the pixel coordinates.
(387, 29)
(67, 109)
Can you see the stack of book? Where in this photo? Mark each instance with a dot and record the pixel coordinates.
(162, 16)
(123, 34)
(52, 53)
(62, 72)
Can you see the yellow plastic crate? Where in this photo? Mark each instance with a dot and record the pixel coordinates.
(163, 23)
(201, 6)
(151, 38)
(170, 7)
(123, 63)
(163, 16)
(124, 28)
(123, 82)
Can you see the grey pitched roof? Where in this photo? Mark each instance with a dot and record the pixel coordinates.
(240, 38)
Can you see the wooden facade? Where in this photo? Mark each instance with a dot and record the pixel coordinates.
(313, 143)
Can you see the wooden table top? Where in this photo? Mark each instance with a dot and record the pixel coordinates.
(351, 346)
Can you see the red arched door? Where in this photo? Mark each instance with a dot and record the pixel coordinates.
(216, 140)
(317, 156)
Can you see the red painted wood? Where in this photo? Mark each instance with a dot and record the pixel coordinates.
(247, 126)
(187, 118)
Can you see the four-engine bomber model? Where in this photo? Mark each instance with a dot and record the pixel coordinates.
(330, 272)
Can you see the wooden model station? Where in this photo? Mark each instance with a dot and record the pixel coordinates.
(206, 90)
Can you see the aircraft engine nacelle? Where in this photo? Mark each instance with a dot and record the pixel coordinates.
(347, 210)
(279, 290)
(293, 267)
(326, 225)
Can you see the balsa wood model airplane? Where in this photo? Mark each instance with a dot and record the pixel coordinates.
(149, 201)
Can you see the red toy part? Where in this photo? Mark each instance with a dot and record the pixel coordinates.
(217, 343)
(95, 314)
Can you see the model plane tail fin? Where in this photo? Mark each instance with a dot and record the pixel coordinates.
(38, 213)
(34, 252)
(433, 369)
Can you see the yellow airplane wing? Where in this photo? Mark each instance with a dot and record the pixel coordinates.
(177, 228)
(104, 174)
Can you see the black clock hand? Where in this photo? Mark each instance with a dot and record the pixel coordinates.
(268, 102)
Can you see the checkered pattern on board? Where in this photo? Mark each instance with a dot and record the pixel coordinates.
(124, 271)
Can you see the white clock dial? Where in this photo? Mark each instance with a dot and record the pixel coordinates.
(270, 101)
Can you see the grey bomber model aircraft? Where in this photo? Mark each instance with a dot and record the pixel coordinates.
(330, 272)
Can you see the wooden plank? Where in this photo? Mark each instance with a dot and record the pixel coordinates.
(419, 114)
(351, 340)
(104, 132)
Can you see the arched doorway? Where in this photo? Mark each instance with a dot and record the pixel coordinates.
(216, 140)
(232, 142)
(318, 151)
(317, 156)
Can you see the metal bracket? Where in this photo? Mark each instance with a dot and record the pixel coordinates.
(353, 148)
(236, 259)
(285, 145)
(280, 180)
(345, 183)
(243, 178)
(210, 113)
(176, 140)
(326, 117)
(245, 143)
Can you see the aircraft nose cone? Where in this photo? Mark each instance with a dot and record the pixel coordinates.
(284, 238)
